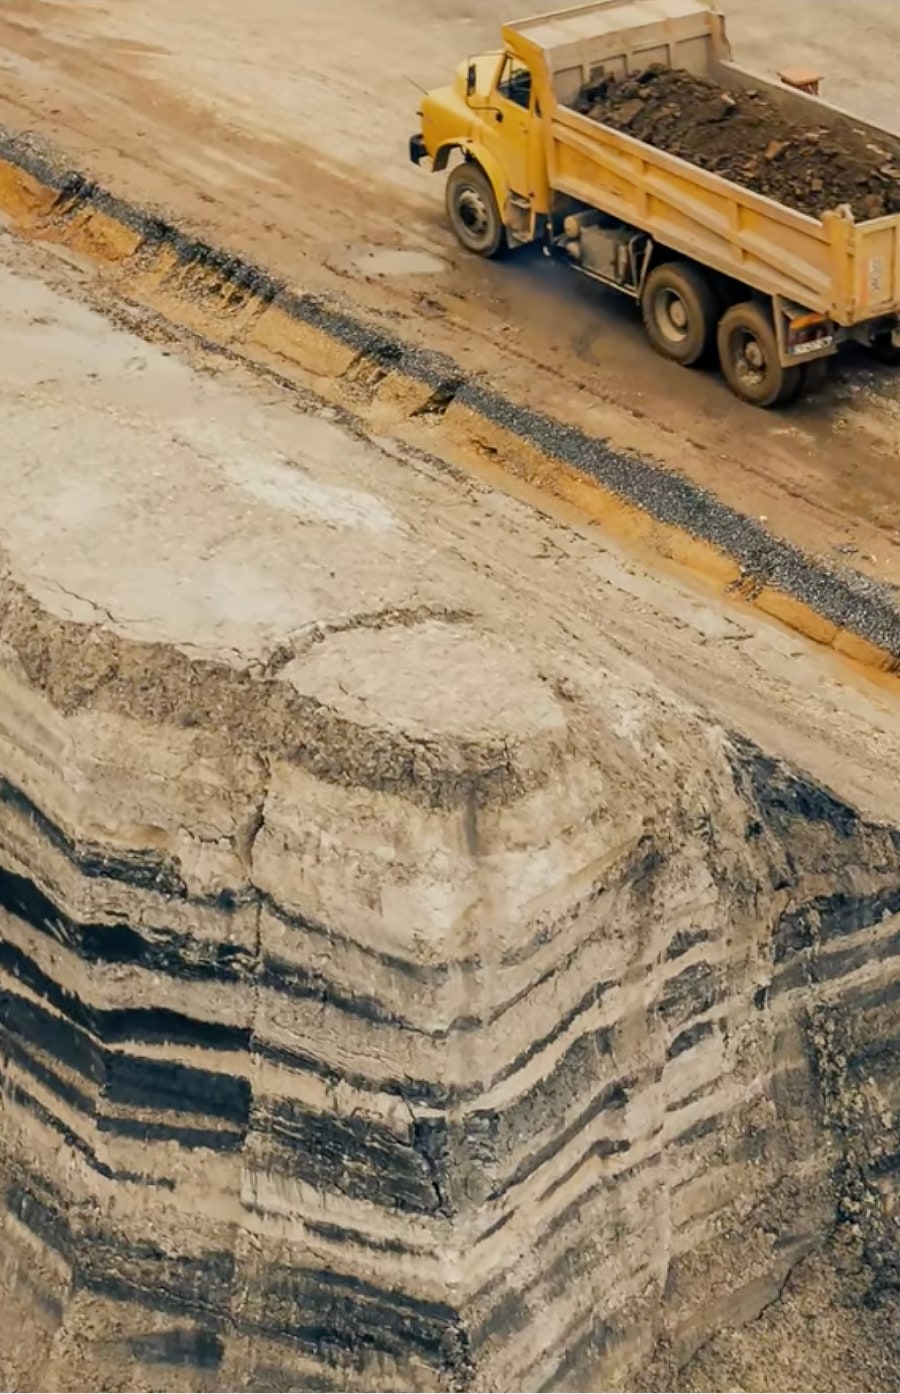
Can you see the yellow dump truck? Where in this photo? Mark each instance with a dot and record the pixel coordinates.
(715, 267)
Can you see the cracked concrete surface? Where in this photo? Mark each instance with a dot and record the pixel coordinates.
(405, 903)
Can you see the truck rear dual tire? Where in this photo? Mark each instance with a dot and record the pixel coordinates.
(750, 361)
(680, 310)
(473, 212)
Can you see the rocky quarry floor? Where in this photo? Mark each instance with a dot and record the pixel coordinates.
(745, 137)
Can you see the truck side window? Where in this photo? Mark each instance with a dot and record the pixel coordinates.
(515, 83)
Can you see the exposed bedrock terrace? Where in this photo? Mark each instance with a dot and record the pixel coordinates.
(434, 953)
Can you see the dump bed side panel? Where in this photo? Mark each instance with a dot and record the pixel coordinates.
(866, 258)
(692, 211)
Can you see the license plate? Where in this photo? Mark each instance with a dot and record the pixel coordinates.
(811, 346)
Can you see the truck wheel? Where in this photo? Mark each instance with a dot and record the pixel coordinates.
(748, 354)
(680, 310)
(473, 212)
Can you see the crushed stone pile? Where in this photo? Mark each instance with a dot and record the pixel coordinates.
(744, 137)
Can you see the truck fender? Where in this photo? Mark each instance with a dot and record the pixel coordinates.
(473, 150)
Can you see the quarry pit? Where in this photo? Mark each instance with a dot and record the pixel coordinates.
(448, 936)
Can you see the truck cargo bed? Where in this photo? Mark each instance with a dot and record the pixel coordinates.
(746, 137)
(846, 269)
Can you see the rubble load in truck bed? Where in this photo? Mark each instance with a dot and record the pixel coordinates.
(746, 138)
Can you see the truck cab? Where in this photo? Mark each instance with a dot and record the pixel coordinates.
(498, 194)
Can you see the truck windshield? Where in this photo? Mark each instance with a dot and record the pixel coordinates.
(515, 82)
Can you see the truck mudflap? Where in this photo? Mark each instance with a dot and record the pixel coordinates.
(417, 151)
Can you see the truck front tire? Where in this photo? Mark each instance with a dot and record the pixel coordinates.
(473, 212)
(749, 358)
(680, 310)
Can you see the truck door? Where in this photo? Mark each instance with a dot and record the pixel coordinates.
(513, 101)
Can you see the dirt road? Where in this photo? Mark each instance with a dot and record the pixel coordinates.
(279, 130)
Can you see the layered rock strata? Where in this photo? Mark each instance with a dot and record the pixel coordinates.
(390, 996)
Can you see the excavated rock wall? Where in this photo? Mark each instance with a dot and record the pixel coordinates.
(401, 985)
(335, 1055)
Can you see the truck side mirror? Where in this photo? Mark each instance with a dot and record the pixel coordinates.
(471, 79)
